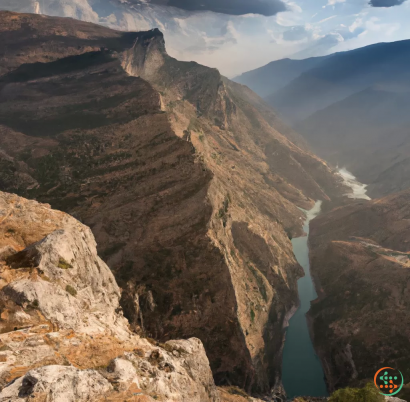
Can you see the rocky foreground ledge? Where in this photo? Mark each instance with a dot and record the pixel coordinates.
(63, 336)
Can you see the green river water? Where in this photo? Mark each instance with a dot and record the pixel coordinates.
(302, 372)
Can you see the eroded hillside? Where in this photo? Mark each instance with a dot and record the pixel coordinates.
(190, 183)
(360, 260)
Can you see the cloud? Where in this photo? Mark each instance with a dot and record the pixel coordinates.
(333, 2)
(386, 3)
(327, 19)
(321, 46)
(295, 33)
(232, 7)
(351, 34)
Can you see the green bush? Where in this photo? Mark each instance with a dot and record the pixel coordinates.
(71, 290)
(367, 394)
(63, 264)
(252, 315)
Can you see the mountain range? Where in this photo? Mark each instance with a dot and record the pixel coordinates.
(351, 108)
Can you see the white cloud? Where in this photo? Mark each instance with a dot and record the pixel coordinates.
(333, 2)
(327, 19)
(294, 7)
(356, 24)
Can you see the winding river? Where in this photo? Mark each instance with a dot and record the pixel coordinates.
(359, 189)
(302, 372)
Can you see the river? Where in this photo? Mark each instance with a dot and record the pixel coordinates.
(302, 372)
(359, 189)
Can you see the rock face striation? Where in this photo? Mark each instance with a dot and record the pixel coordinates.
(360, 261)
(190, 183)
(62, 332)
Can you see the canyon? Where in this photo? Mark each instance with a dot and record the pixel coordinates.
(351, 108)
(192, 190)
(190, 183)
(63, 336)
(359, 259)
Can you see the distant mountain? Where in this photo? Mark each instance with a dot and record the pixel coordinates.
(274, 76)
(299, 88)
(351, 107)
(339, 76)
(369, 133)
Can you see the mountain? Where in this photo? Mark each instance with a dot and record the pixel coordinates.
(351, 108)
(339, 76)
(190, 35)
(368, 133)
(191, 184)
(360, 262)
(276, 75)
(303, 87)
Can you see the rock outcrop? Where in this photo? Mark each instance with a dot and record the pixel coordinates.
(360, 262)
(190, 183)
(62, 333)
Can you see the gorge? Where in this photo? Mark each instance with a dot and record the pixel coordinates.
(302, 372)
(190, 182)
(214, 221)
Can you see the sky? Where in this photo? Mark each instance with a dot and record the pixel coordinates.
(235, 44)
(236, 36)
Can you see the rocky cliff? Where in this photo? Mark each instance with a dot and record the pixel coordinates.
(190, 183)
(360, 261)
(62, 333)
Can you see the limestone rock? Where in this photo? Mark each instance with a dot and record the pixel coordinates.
(75, 289)
(63, 334)
(57, 384)
(124, 372)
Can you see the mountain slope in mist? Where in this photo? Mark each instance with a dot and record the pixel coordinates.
(339, 76)
(276, 75)
(369, 133)
(352, 108)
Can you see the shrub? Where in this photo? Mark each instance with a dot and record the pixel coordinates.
(63, 264)
(233, 390)
(252, 315)
(71, 290)
(367, 394)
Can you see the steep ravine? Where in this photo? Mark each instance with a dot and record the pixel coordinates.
(360, 263)
(189, 182)
(302, 371)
